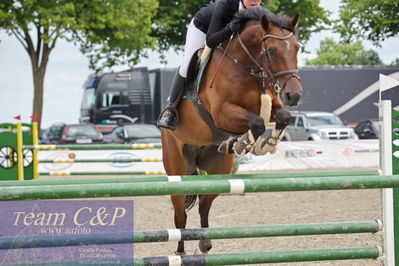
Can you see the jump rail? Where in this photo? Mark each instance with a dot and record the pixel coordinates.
(42, 241)
(187, 178)
(240, 258)
(196, 187)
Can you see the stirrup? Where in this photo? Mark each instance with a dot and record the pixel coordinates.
(174, 116)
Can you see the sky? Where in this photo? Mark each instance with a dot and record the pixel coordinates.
(68, 68)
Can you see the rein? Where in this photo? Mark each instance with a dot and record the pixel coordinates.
(262, 75)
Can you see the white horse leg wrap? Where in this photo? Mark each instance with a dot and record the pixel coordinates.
(267, 145)
(244, 142)
(247, 141)
(224, 146)
(276, 136)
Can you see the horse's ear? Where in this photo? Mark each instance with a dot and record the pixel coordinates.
(265, 22)
(293, 21)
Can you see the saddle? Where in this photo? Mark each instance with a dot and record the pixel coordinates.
(194, 79)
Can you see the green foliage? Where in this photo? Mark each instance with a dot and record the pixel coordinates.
(171, 21)
(115, 32)
(112, 32)
(333, 53)
(312, 17)
(109, 32)
(374, 20)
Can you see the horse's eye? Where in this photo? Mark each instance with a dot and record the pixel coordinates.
(271, 51)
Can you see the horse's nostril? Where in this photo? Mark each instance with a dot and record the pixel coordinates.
(293, 97)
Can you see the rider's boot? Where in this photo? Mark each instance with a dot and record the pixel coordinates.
(168, 117)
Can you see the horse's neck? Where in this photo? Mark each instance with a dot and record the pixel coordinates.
(251, 39)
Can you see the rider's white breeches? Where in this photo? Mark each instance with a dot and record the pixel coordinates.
(195, 39)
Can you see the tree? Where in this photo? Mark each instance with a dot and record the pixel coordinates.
(170, 23)
(312, 17)
(108, 32)
(373, 20)
(171, 20)
(333, 53)
(395, 62)
(112, 32)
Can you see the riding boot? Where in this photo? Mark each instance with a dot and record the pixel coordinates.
(168, 117)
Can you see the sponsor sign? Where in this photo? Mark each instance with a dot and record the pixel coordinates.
(304, 155)
(25, 219)
(101, 166)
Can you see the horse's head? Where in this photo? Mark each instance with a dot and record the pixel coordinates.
(272, 46)
(280, 50)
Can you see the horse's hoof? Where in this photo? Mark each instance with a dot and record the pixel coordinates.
(264, 146)
(273, 149)
(180, 253)
(199, 252)
(205, 245)
(258, 148)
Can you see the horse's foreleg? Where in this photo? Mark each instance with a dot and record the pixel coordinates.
(268, 143)
(235, 118)
(246, 142)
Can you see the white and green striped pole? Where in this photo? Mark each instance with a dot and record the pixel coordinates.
(389, 165)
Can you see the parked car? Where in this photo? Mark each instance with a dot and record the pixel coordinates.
(134, 133)
(317, 126)
(72, 134)
(81, 134)
(53, 134)
(368, 129)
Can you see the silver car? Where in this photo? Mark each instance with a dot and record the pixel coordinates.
(317, 126)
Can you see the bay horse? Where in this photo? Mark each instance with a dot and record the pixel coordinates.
(240, 89)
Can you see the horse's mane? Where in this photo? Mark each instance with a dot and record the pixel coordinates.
(256, 13)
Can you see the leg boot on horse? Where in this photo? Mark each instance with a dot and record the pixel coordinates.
(168, 117)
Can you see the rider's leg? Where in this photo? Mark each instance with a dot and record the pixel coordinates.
(167, 118)
(195, 39)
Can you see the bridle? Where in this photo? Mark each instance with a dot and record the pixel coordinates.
(262, 75)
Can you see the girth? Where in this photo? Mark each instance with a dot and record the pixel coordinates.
(218, 134)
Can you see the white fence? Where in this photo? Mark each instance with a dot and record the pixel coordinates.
(290, 156)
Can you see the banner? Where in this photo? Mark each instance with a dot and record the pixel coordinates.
(295, 155)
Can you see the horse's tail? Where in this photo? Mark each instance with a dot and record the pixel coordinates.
(190, 201)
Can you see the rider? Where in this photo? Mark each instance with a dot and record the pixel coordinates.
(210, 24)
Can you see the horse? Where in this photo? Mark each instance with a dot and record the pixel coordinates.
(240, 89)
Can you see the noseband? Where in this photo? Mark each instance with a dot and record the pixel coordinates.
(262, 75)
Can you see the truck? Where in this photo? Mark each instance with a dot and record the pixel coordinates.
(138, 94)
(113, 98)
